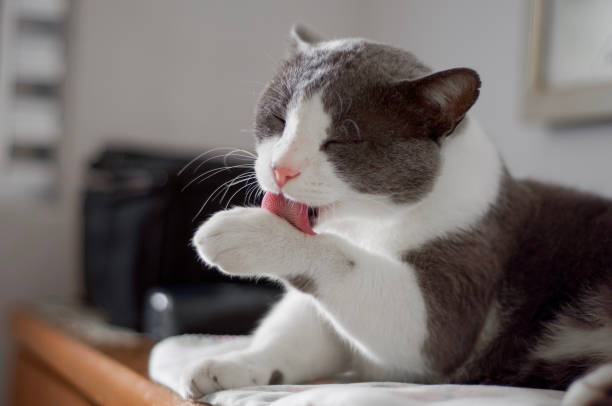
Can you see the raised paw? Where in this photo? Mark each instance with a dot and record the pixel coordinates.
(248, 241)
(222, 373)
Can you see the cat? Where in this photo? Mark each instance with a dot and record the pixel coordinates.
(430, 263)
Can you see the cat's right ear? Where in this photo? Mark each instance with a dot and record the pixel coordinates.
(302, 39)
(448, 95)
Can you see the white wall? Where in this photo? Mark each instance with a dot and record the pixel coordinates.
(185, 75)
(182, 74)
(36, 261)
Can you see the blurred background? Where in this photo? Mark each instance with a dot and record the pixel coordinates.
(103, 102)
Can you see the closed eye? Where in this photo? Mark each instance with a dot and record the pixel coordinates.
(331, 143)
(279, 118)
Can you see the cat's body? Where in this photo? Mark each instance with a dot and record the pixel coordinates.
(430, 263)
(536, 271)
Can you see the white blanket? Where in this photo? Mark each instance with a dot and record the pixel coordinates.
(171, 356)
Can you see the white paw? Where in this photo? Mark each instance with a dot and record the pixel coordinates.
(248, 241)
(594, 388)
(173, 356)
(226, 372)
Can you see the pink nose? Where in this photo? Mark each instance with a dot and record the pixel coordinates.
(282, 175)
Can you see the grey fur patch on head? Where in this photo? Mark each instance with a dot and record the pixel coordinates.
(387, 115)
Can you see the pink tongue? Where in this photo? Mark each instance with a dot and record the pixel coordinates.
(295, 213)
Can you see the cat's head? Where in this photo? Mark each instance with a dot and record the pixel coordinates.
(350, 120)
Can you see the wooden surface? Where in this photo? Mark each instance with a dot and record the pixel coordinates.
(104, 375)
(35, 383)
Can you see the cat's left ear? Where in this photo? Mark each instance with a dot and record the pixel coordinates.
(449, 95)
(302, 39)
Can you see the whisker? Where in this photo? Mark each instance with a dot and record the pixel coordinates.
(225, 156)
(341, 110)
(202, 177)
(214, 192)
(227, 168)
(355, 125)
(350, 103)
(243, 176)
(203, 154)
(249, 191)
(252, 193)
(238, 179)
(235, 193)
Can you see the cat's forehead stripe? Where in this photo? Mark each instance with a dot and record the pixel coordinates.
(346, 66)
(317, 63)
(308, 118)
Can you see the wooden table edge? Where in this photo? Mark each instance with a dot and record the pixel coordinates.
(99, 378)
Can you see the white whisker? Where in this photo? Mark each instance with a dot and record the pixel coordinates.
(235, 193)
(252, 193)
(203, 176)
(203, 154)
(214, 192)
(238, 179)
(233, 152)
(355, 125)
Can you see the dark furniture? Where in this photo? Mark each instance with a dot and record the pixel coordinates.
(140, 211)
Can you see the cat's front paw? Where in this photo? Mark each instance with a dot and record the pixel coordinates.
(595, 388)
(249, 241)
(226, 372)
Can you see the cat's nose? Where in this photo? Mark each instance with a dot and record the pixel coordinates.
(283, 174)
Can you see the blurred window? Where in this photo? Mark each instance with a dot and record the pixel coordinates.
(32, 69)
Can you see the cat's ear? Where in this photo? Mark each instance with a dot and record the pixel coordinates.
(450, 94)
(302, 39)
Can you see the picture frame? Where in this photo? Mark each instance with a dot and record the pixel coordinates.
(568, 96)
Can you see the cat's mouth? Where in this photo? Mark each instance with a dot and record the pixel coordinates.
(300, 215)
(313, 216)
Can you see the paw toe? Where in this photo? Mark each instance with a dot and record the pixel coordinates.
(194, 391)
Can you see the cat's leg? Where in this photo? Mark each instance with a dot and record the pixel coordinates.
(171, 356)
(592, 389)
(293, 344)
(373, 300)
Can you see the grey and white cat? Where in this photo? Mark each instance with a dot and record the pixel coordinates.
(431, 263)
